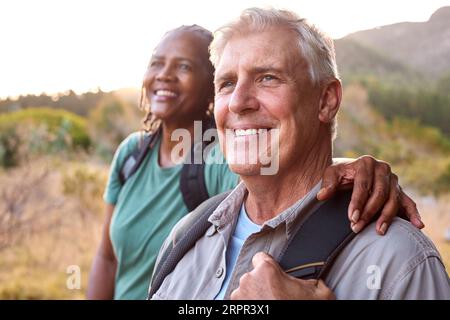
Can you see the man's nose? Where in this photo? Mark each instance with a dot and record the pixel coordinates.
(243, 99)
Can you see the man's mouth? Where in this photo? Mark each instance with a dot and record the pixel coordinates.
(249, 132)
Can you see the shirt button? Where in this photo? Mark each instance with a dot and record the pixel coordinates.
(219, 272)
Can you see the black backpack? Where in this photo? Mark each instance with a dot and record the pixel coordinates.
(192, 179)
(309, 255)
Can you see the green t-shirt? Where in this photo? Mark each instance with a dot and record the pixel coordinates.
(147, 206)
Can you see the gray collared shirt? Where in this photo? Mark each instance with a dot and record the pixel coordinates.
(403, 264)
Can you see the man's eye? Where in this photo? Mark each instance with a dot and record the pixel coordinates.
(225, 85)
(268, 77)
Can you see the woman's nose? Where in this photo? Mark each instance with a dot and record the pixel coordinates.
(165, 74)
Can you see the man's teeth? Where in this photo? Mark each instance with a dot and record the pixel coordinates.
(248, 132)
(165, 93)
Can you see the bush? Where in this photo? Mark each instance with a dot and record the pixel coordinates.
(9, 147)
(40, 131)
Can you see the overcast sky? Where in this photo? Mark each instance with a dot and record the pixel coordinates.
(55, 45)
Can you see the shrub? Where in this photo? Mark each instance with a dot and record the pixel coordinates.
(40, 131)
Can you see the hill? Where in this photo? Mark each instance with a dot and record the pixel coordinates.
(423, 47)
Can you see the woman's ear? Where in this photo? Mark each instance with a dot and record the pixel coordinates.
(330, 101)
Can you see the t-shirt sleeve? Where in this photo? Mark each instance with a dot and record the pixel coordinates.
(113, 185)
(218, 176)
(427, 281)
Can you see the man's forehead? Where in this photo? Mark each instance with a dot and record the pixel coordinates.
(259, 52)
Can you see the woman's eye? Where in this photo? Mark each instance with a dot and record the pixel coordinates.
(155, 64)
(185, 67)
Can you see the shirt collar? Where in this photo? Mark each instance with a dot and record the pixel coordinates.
(229, 209)
(300, 210)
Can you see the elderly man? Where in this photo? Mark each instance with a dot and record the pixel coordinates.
(276, 75)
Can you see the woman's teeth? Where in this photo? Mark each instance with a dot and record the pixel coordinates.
(165, 93)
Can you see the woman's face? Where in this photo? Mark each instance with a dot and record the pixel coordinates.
(177, 82)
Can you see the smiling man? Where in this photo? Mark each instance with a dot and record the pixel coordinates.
(276, 75)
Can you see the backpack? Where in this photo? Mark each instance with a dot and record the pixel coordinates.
(192, 179)
(309, 255)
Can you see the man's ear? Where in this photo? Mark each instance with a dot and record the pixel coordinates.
(330, 101)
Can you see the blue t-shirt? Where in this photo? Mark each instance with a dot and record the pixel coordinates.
(244, 228)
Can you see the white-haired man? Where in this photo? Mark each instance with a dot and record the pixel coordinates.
(276, 74)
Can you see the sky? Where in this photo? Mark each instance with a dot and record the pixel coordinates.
(55, 45)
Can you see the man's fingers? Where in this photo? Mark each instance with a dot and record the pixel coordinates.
(410, 209)
(261, 258)
(265, 267)
(323, 292)
(235, 295)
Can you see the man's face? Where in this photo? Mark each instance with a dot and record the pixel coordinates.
(262, 82)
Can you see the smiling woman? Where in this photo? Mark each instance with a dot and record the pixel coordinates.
(178, 81)
(177, 91)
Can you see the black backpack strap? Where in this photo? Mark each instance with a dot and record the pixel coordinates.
(192, 183)
(192, 180)
(134, 160)
(186, 236)
(319, 240)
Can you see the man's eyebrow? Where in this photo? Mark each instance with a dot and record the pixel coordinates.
(265, 69)
(225, 76)
(253, 70)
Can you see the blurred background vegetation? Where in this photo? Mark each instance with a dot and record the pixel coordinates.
(55, 151)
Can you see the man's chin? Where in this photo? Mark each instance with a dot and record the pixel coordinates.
(246, 169)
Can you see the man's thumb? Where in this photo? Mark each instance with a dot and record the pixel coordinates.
(261, 258)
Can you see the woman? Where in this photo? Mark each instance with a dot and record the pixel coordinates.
(178, 87)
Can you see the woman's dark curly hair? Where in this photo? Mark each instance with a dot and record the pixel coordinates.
(150, 123)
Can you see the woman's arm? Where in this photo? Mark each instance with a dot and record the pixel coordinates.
(102, 277)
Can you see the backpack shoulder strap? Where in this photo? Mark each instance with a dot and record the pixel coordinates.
(192, 182)
(193, 228)
(319, 240)
(135, 158)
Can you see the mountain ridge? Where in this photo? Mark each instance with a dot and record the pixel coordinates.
(422, 47)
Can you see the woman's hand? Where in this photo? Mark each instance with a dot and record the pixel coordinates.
(375, 189)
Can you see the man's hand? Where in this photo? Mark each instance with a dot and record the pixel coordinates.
(267, 281)
(375, 189)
